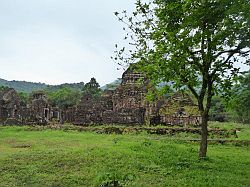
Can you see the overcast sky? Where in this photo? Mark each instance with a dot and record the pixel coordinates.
(58, 41)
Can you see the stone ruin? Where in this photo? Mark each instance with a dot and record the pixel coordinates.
(37, 111)
(9, 106)
(179, 110)
(125, 105)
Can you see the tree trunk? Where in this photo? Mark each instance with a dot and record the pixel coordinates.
(204, 135)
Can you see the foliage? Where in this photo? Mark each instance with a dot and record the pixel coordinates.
(24, 98)
(240, 104)
(218, 111)
(2, 88)
(59, 158)
(192, 110)
(170, 109)
(92, 87)
(64, 97)
(195, 44)
(73, 86)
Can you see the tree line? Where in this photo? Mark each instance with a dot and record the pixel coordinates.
(63, 96)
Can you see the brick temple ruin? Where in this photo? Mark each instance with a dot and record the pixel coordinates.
(126, 105)
(37, 111)
(10, 106)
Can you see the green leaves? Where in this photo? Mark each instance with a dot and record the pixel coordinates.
(64, 97)
(92, 87)
(191, 42)
(240, 103)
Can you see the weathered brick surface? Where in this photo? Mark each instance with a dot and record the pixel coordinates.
(9, 104)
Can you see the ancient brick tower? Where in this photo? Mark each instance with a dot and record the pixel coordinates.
(124, 105)
(9, 104)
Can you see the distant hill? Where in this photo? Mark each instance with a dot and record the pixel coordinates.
(113, 85)
(23, 86)
(28, 87)
(75, 86)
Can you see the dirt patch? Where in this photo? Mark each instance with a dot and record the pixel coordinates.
(21, 146)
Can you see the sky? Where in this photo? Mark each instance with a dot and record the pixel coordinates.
(60, 41)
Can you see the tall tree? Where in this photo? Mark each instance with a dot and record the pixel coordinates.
(193, 43)
(92, 87)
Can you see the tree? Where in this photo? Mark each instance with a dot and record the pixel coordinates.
(217, 109)
(64, 97)
(92, 87)
(241, 107)
(24, 98)
(192, 43)
(240, 103)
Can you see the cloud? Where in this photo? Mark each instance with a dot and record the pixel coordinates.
(54, 57)
(57, 41)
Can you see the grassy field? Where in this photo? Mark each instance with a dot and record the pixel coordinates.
(31, 157)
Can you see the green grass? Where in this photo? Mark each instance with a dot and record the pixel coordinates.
(71, 158)
(243, 130)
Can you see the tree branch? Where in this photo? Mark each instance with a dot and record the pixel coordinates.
(195, 59)
(223, 64)
(234, 51)
(193, 91)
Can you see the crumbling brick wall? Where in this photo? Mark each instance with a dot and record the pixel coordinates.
(9, 104)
